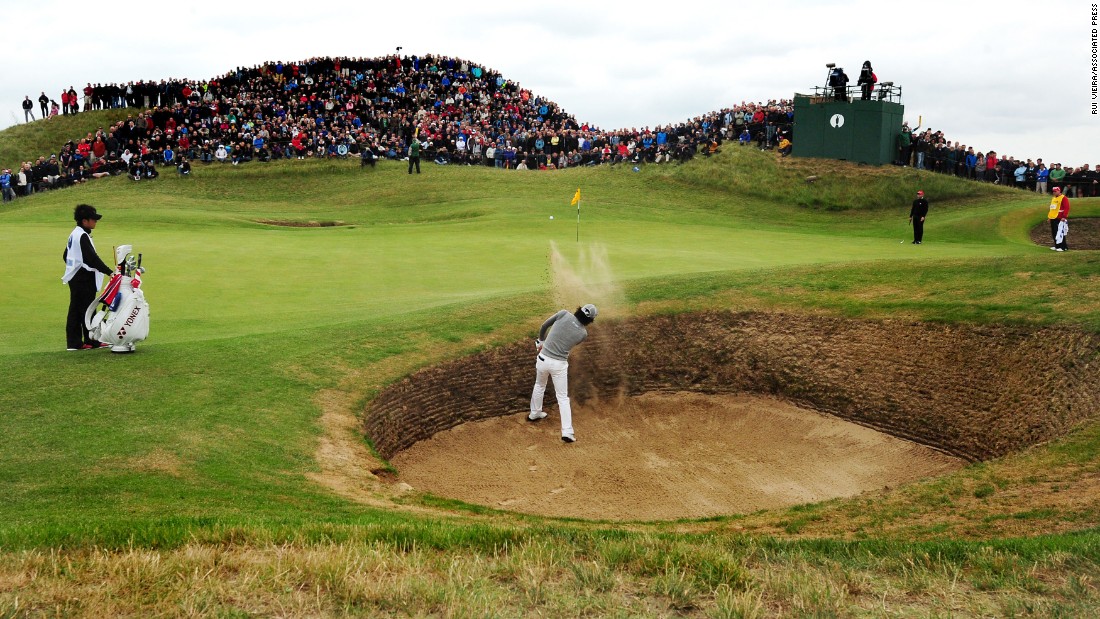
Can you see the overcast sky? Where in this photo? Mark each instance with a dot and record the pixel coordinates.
(1015, 77)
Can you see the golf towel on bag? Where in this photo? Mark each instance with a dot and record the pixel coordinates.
(110, 295)
(1063, 230)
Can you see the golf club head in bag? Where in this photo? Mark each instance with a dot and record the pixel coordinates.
(123, 316)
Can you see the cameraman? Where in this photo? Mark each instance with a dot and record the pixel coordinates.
(838, 81)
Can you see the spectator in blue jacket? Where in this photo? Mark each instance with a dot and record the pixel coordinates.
(1042, 177)
(1020, 174)
(5, 185)
(971, 163)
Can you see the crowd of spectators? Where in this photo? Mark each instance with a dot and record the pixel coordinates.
(460, 113)
(372, 109)
(930, 150)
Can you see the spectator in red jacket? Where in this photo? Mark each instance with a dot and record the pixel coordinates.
(99, 149)
(991, 167)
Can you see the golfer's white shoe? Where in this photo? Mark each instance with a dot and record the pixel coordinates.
(536, 416)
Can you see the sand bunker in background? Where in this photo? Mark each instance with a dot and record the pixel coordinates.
(1084, 233)
(661, 457)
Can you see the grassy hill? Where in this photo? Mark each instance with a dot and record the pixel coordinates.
(220, 470)
(29, 141)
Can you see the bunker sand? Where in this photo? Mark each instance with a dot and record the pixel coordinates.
(665, 456)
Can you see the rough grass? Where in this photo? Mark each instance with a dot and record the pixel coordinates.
(828, 184)
(41, 138)
(639, 575)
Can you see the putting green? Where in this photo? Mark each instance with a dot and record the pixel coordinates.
(215, 281)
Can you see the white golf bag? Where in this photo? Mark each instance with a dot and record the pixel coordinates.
(123, 317)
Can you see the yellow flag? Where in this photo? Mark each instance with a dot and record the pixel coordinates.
(576, 198)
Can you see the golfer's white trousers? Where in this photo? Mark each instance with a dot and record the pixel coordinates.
(547, 367)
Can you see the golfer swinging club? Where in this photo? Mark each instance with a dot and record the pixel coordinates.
(558, 335)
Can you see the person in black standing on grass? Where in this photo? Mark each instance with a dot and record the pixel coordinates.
(28, 109)
(916, 217)
(84, 272)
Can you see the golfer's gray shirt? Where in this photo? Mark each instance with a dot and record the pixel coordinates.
(566, 333)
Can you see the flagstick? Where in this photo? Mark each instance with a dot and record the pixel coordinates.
(578, 221)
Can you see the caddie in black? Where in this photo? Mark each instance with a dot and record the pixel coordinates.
(84, 273)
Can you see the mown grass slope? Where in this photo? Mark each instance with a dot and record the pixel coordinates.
(188, 479)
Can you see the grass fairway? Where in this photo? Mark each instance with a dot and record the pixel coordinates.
(191, 478)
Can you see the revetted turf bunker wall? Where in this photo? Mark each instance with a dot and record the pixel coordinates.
(974, 392)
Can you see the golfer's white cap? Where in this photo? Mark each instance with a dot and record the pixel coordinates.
(589, 310)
